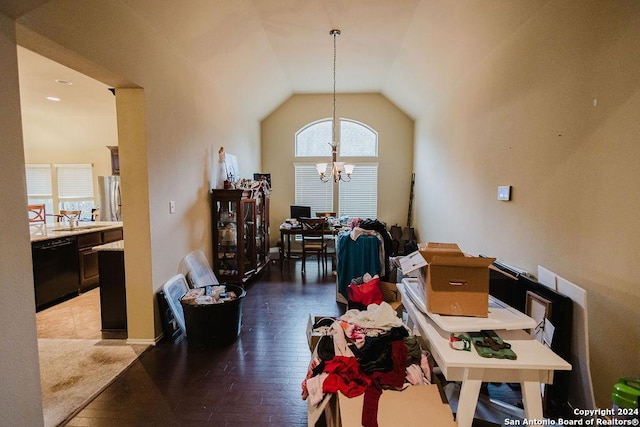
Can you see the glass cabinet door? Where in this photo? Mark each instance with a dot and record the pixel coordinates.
(227, 241)
(260, 225)
(249, 207)
(240, 234)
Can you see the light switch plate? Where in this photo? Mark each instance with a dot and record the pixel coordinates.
(172, 207)
(504, 193)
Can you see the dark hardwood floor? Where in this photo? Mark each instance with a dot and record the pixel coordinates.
(255, 381)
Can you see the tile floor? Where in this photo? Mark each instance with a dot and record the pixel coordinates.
(77, 318)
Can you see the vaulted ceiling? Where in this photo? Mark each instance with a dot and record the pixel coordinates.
(276, 48)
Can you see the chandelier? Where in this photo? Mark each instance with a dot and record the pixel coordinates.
(339, 170)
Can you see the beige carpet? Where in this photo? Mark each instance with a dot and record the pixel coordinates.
(74, 371)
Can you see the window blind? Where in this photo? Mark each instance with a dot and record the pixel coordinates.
(310, 191)
(39, 180)
(359, 197)
(75, 181)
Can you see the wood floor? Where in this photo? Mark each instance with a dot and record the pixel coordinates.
(254, 382)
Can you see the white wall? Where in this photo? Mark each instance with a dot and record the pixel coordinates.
(553, 111)
(20, 400)
(77, 129)
(184, 121)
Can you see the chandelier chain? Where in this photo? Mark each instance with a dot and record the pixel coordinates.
(334, 141)
(339, 170)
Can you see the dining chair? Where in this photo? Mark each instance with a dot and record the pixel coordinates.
(331, 246)
(313, 231)
(72, 216)
(37, 214)
(326, 214)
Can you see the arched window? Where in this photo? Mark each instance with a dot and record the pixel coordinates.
(357, 198)
(314, 140)
(356, 139)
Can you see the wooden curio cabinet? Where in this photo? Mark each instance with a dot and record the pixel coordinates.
(240, 234)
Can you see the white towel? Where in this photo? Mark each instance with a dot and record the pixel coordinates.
(381, 316)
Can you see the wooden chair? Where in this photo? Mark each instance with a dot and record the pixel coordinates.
(313, 231)
(37, 214)
(326, 214)
(72, 216)
(331, 247)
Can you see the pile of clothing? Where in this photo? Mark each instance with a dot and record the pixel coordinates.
(364, 352)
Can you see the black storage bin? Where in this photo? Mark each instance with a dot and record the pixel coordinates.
(214, 325)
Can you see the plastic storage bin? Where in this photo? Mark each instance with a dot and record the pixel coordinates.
(214, 325)
(197, 271)
(625, 396)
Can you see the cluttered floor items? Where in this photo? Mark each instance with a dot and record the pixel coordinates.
(195, 304)
(366, 354)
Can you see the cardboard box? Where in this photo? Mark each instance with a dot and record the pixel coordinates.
(414, 406)
(314, 336)
(454, 283)
(392, 296)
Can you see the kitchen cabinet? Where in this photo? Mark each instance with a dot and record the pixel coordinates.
(115, 159)
(240, 234)
(88, 258)
(64, 261)
(113, 296)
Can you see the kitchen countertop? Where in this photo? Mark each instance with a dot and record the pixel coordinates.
(113, 246)
(41, 232)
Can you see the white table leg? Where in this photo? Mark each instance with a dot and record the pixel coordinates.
(531, 397)
(468, 398)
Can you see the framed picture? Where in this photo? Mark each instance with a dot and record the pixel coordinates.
(539, 309)
(260, 176)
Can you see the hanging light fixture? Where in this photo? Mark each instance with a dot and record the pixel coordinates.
(339, 170)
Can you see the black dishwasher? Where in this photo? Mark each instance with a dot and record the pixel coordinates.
(55, 269)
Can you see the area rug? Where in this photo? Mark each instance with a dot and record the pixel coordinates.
(73, 372)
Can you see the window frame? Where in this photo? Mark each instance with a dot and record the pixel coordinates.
(308, 161)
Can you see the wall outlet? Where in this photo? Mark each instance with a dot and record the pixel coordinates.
(172, 207)
(504, 193)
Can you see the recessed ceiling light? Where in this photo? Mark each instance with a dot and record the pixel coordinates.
(53, 98)
(63, 82)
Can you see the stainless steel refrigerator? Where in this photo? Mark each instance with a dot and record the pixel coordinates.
(109, 198)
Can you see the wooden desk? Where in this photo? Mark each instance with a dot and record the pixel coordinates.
(288, 232)
(535, 364)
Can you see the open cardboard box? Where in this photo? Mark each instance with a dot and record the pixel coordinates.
(391, 296)
(455, 284)
(415, 406)
(314, 336)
